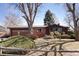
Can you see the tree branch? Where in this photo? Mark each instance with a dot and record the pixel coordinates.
(22, 9)
(35, 11)
(77, 20)
(69, 7)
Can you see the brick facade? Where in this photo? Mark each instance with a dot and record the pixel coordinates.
(37, 31)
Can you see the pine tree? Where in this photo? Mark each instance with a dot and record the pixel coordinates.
(49, 18)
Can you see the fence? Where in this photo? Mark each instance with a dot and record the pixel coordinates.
(22, 49)
(53, 49)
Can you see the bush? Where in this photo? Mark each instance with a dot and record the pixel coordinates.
(72, 34)
(47, 37)
(57, 34)
(19, 42)
(65, 36)
(52, 34)
(32, 37)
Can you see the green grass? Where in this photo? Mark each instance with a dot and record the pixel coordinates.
(18, 42)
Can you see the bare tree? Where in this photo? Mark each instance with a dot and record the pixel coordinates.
(72, 9)
(69, 21)
(12, 20)
(30, 11)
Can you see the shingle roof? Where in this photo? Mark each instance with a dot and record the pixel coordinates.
(24, 26)
(37, 26)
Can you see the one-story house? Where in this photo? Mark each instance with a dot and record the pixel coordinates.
(59, 28)
(38, 31)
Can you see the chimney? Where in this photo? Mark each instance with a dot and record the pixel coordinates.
(58, 24)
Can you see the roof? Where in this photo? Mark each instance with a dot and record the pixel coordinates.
(25, 26)
(59, 25)
(37, 26)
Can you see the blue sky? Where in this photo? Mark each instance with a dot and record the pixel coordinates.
(57, 9)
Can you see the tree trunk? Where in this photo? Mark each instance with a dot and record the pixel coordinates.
(73, 11)
(75, 29)
(75, 23)
(30, 28)
(76, 34)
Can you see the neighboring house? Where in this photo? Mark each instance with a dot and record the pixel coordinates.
(38, 31)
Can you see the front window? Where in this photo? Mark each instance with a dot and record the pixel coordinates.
(60, 29)
(39, 30)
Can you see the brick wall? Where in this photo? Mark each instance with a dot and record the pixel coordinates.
(38, 32)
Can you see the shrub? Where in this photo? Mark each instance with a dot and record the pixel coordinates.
(18, 42)
(65, 36)
(47, 37)
(52, 34)
(72, 34)
(57, 34)
(32, 37)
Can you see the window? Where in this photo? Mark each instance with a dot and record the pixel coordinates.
(51, 29)
(39, 30)
(60, 29)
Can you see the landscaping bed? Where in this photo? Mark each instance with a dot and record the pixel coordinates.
(18, 42)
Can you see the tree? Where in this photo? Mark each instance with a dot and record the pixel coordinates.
(12, 20)
(29, 11)
(73, 12)
(49, 18)
(69, 21)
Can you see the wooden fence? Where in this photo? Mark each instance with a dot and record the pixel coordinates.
(53, 49)
(22, 49)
